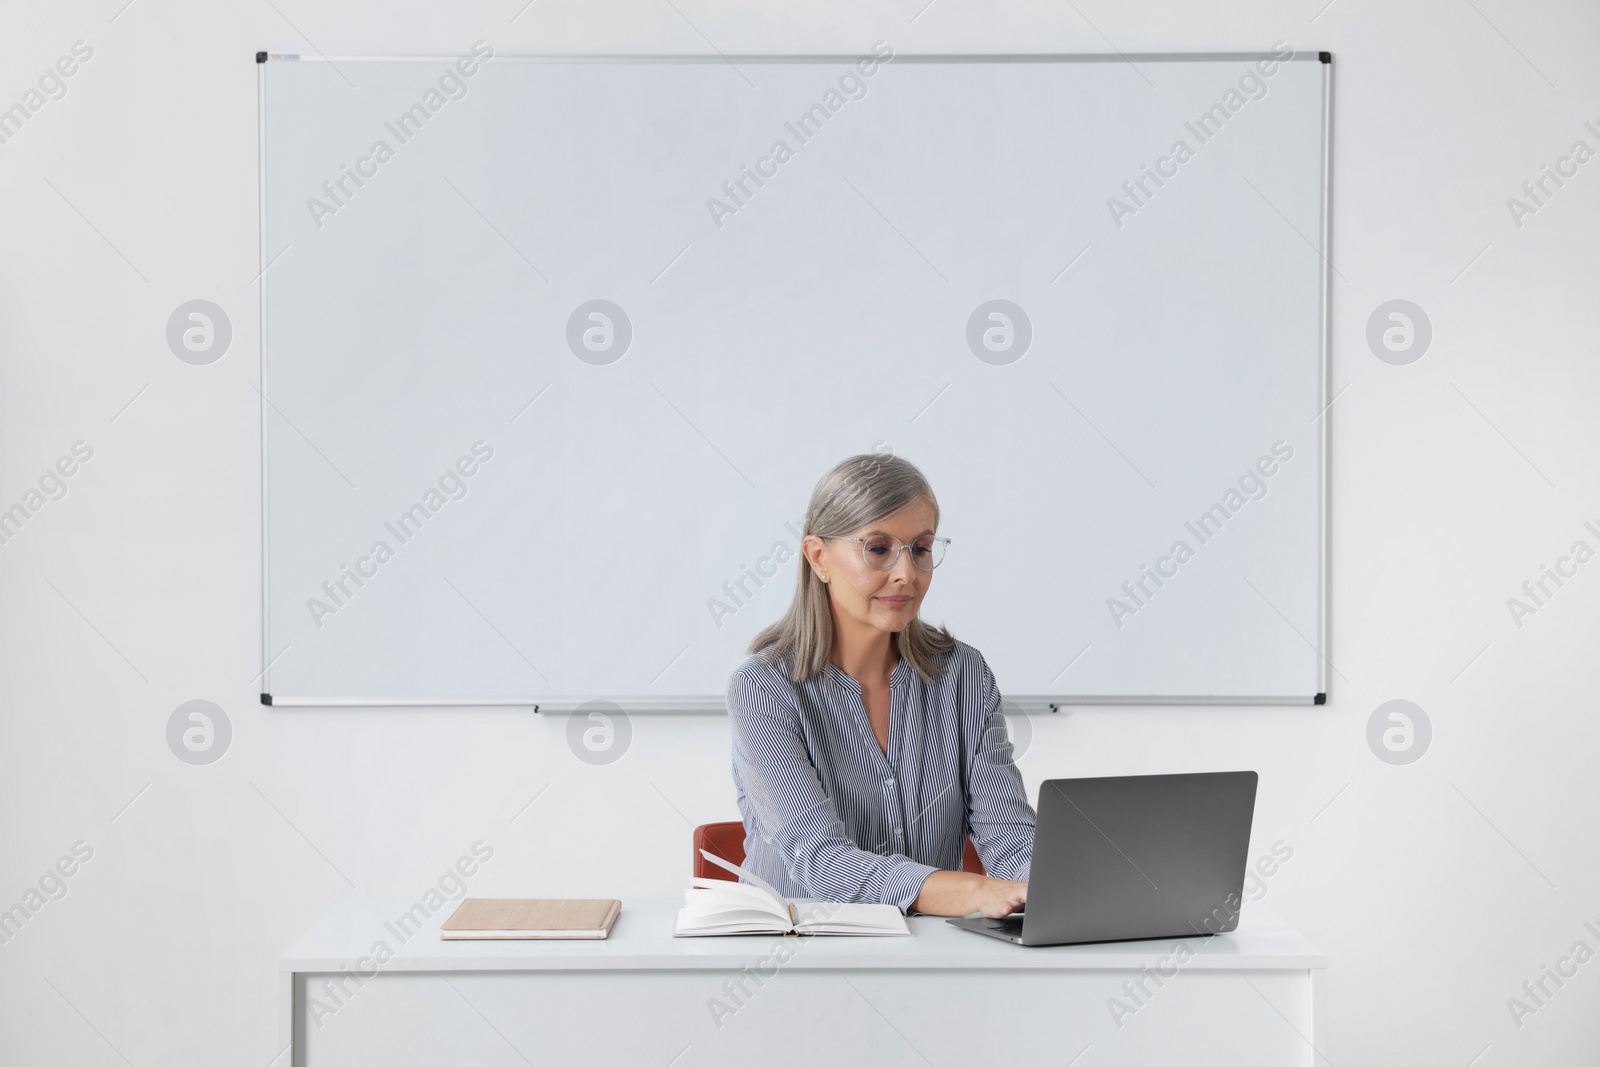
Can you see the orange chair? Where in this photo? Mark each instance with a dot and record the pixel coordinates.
(726, 839)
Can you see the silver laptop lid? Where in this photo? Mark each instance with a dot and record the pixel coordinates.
(1139, 856)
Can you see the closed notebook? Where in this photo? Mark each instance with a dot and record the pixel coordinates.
(487, 919)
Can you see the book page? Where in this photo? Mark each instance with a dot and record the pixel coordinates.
(714, 904)
(828, 917)
(741, 872)
(728, 921)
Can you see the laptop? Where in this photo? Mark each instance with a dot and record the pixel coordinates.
(1133, 858)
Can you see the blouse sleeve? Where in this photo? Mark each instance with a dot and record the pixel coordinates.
(998, 812)
(795, 815)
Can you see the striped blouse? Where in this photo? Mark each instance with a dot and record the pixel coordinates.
(828, 815)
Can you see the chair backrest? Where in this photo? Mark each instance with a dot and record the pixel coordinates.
(726, 839)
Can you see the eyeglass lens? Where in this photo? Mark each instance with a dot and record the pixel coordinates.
(881, 552)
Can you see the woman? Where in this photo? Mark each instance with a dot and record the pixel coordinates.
(868, 745)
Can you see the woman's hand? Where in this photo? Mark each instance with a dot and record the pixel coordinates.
(998, 898)
(961, 893)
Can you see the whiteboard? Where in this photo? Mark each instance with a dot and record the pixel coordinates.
(545, 392)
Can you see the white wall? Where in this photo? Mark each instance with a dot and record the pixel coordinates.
(1436, 888)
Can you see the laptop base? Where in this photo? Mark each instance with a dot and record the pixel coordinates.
(1007, 929)
(1011, 930)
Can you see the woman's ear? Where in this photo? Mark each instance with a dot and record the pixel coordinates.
(811, 547)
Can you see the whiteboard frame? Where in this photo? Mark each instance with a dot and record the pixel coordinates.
(715, 704)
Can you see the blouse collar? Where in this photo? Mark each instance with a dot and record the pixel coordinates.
(897, 677)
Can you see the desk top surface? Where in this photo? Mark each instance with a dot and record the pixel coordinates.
(351, 933)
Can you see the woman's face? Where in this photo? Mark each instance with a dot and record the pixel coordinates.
(883, 600)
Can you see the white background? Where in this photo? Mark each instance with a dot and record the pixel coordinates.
(1436, 888)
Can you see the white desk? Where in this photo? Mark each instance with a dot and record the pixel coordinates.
(944, 996)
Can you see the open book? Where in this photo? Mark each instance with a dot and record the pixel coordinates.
(713, 907)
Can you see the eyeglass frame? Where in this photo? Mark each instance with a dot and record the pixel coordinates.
(896, 560)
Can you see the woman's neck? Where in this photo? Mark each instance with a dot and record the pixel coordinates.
(868, 659)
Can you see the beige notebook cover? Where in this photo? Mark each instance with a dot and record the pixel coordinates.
(482, 918)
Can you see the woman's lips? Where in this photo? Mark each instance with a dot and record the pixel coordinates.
(895, 601)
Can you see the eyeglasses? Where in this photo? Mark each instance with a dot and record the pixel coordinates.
(882, 551)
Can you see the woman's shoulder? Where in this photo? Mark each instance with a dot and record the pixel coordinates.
(765, 675)
(963, 660)
(965, 677)
(765, 663)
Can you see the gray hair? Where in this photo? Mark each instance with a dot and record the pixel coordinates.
(857, 491)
